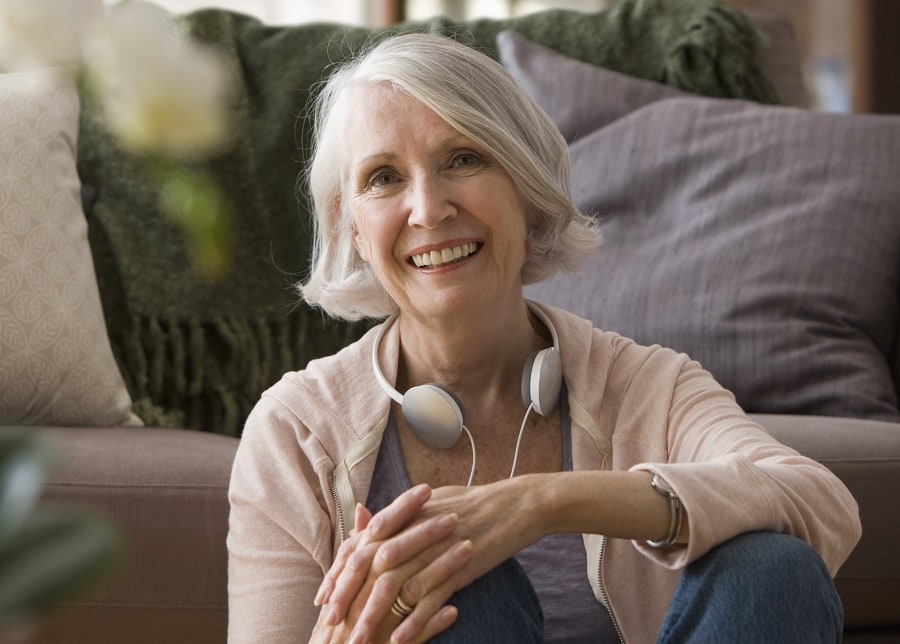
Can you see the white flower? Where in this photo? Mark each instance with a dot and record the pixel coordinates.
(160, 92)
(40, 33)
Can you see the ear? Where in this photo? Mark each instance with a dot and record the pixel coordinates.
(358, 241)
(359, 244)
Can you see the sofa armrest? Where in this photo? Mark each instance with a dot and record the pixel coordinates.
(865, 455)
(166, 489)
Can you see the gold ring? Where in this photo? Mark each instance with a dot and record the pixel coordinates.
(400, 608)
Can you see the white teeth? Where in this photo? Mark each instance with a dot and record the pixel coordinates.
(436, 258)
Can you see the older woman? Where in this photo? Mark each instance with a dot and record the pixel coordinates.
(477, 446)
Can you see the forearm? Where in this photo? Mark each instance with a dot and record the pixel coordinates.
(615, 504)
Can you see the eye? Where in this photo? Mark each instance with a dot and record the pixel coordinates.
(381, 178)
(465, 159)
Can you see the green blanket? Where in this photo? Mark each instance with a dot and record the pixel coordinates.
(198, 354)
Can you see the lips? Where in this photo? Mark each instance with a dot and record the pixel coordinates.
(436, 258)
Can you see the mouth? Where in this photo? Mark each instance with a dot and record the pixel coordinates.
(436, 258)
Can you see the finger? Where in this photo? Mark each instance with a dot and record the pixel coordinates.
(399, 513)
(436, 596)
(352, 578)
(361, 517)
(383, 525)
(347, 548)
(442, 620)
(438, 573)
(433, 583)
(409, 543)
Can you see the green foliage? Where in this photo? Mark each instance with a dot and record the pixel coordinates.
(45, 553)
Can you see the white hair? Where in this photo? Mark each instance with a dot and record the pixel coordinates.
(477, 97)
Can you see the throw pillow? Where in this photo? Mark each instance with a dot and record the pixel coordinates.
(56, 365)
(762, 241)
(580, 96)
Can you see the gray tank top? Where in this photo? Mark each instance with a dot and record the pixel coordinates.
(556, 564)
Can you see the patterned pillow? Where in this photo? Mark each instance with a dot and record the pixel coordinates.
(56, 364)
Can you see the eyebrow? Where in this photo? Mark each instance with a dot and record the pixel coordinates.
(451, 141)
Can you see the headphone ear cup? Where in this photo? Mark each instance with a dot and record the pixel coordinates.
(434, 414)
(526, 378)
(542, 381)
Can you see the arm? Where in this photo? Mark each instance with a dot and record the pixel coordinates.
(733, 477)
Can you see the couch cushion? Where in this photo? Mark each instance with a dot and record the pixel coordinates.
(762, 241)
(167, 491)
(865, 455)
(56, 365)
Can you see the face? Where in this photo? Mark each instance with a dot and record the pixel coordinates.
(438, 219)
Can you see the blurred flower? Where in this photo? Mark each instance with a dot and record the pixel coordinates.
(39, 33)
(160, 91)
(162, 95)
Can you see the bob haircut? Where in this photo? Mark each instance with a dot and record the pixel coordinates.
(477, 97)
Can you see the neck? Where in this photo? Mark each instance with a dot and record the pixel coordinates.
(478, 357)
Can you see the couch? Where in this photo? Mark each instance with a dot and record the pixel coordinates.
(753, 233)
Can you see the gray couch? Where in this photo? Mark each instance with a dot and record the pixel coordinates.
(776, 269)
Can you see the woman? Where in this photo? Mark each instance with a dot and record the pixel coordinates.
(619, 482)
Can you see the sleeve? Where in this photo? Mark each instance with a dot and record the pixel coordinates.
(280, 530)
(733, 477)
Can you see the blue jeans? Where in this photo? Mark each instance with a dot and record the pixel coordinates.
(757, 587)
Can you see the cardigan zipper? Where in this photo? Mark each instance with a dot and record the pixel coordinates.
(342, 524)
(603, 595)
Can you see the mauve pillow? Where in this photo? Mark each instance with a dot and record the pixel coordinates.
(578, 96)
(762, 241)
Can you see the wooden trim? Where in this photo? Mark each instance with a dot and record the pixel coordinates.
(876, 50)
(387, 12)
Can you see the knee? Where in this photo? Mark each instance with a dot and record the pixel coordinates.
(769, 557)
(776, 566)
(759, 586)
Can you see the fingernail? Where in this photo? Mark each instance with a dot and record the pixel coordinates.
(355, 638)
(321, 595)
(465, 548)
(421, 491)
(331, 617)
(448, 520)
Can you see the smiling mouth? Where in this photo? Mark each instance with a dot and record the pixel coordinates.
(442, 257)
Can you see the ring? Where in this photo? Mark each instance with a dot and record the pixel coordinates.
(400, 608)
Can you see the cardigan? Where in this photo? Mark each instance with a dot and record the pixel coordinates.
(309, 447)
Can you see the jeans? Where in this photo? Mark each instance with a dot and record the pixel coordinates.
(757, 587)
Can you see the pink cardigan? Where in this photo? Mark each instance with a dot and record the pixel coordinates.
(310, 444)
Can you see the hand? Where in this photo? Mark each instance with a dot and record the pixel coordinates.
(499, 519)
(378, 561)
(494, 522)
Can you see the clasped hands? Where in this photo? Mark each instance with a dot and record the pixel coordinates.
(418, 549)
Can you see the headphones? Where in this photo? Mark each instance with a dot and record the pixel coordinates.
(436, 415)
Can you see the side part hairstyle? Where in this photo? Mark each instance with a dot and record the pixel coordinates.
(477, 97)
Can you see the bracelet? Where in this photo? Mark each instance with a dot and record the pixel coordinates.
(675, 512)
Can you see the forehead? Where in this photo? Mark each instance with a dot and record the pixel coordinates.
(383, 115)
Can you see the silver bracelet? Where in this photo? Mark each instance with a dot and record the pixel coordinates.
(675, 512)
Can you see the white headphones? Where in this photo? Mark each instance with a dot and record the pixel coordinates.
(436, 415)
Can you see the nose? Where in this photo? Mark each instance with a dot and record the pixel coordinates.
(430, 203)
